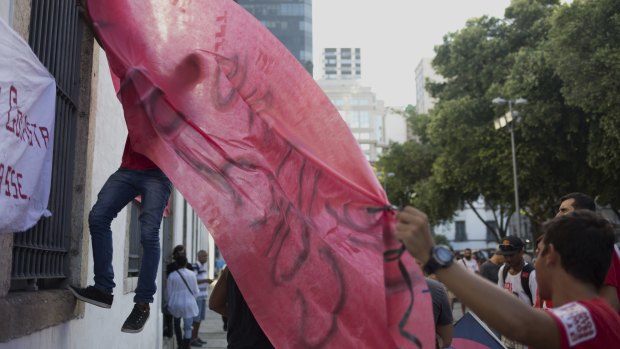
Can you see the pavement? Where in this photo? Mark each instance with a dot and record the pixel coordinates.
(211, 331)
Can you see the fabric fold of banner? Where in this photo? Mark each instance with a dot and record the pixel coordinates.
(27, 106)
(259, 151)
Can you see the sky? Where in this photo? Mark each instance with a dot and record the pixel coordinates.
(394, 35)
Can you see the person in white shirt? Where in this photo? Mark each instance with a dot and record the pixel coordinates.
(516, 276)
(181, 292)
(202, 276)
(469, 262)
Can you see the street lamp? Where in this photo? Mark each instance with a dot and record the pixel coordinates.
(501, 122)
(385, 177)
(389, 174)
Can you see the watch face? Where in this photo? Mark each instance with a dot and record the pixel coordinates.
(443, 254)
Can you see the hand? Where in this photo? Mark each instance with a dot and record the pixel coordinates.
(414, 231)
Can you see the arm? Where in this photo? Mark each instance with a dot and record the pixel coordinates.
(194, 284)
(444, 334)
(500, 276)
(444, 327)
(506, 313)
(533, 286)
(168, 289)
(217, 300)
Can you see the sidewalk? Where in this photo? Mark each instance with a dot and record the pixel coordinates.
(211, 331)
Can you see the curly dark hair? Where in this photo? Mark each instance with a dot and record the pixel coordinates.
(585, 242)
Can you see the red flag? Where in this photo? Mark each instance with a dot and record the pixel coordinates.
(261, 154)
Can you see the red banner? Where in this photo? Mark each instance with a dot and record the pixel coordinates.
(261, 154)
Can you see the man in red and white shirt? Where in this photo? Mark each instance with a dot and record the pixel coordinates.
(571, 264)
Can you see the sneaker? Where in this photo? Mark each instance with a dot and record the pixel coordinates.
(201, 341)
(136, 320)
(196, 343)
(93, 296)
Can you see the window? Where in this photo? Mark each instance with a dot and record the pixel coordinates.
(364, 119)
(364, 136)
(6, 11)
(40, 255)
(359, 119)
(354, 121)
(338, 102)
(460, 234)
(491, 231)
(291, 9)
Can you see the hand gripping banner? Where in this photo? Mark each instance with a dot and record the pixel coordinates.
(27, 106)
(259, 151)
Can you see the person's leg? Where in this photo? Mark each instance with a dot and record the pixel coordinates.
(187, 327)
(195, 328)
(202, 307)
(115, 194)
(187, 331)
(155, 189)
(168, 325)
(177, 331)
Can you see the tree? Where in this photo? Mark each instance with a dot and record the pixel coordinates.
(441, 239)
(584, 49)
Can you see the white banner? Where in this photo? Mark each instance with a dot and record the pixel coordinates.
(27, 106)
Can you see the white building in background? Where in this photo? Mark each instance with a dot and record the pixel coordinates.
(361, 110)
(395, 125)
(466, 230)
(342, 63)
(423, 71)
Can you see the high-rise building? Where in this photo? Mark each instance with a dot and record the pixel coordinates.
(424, 70)
(342, 63)
(288, 20)
(361, 110)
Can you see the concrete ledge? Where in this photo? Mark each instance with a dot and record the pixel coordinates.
(23, 313)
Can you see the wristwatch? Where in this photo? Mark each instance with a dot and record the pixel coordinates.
(441, 257)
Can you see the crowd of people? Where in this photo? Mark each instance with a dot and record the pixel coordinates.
(566, 298)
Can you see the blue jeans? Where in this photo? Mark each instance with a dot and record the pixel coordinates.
(186, 333)
(122, 187)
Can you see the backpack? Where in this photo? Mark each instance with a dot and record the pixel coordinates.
(525, 279)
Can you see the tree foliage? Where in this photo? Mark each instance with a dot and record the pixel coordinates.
(584, 48)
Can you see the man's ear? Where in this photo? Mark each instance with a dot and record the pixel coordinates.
(552, 255)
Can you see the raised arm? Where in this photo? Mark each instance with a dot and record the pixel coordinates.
(505, 313)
